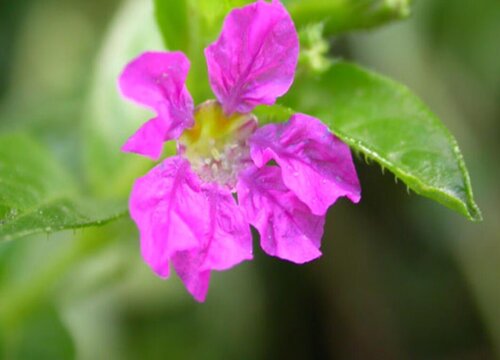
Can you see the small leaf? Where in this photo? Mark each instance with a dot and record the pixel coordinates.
(387, 123)
(272, 114)
(38, 195)
(341, 16)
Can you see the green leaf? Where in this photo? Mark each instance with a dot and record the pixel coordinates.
(272, 114)
(387, 123)
(38, 195)
(172, 19)
(341, 16)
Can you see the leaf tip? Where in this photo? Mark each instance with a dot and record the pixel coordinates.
(474, 213)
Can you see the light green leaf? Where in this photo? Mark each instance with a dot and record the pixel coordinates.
(172, 19)
(387, 123)
(110, 119)
(272, 114)
(341, 16)
(38, 195)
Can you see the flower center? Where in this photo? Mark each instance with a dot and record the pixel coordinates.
(216, 146)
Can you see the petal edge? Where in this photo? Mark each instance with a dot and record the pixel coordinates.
(157, 80)
(253, 61)
(287, 227)
(315, 164)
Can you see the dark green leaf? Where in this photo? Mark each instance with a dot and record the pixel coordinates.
(37, 195)
(387, 123)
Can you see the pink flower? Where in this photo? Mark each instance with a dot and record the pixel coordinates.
(194, 209)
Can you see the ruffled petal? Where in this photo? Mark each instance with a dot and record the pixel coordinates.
(254, 60)
(198, 226)
(227, 242)
(157, 81)
(168, 204)
(315, 164)
(286, 225)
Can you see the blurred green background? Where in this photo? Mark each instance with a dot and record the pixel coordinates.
(401, 277)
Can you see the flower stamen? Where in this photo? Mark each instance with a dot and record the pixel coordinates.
(216, 146)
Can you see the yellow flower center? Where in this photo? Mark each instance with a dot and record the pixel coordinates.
(216, 145)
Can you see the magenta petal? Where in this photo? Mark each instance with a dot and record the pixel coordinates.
(286, 225)
(187, 266)
(253, 62)
(157, 81)
(199, 227)
(315, 164)
(227, 242)
(167, 205)
(148, 140)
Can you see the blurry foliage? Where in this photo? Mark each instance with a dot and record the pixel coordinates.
(42, 337)
(400, 277)
(40, 196)
(110, 173)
